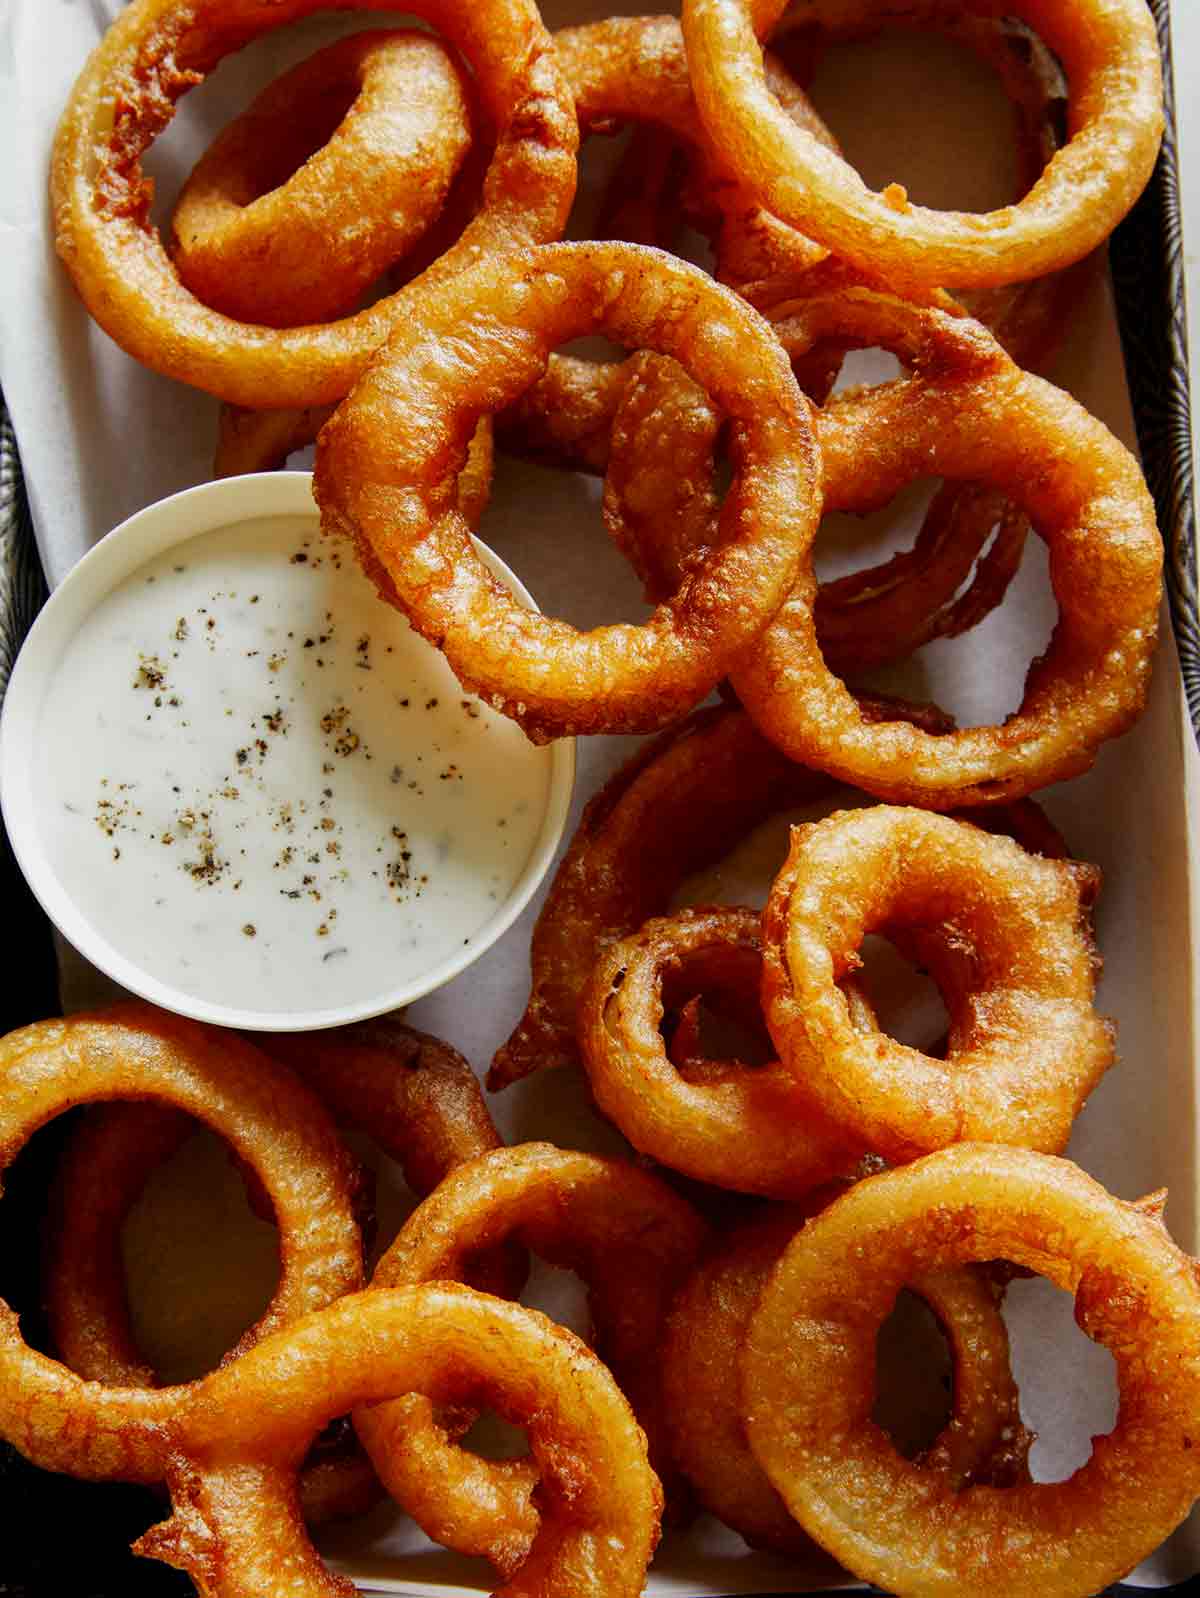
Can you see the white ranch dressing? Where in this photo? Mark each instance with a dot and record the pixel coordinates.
(266, 790)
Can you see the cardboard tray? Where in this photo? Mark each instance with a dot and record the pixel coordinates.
(68, 1537)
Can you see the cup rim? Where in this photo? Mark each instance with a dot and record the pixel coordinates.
(209, 507)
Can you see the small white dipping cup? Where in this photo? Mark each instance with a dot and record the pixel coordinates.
(153, 531)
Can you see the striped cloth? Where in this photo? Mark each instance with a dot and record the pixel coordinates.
(22, 586)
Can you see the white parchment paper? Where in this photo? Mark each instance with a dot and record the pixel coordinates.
(101, 437)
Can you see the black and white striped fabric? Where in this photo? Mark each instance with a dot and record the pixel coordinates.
(1148, 279)
(22, 586)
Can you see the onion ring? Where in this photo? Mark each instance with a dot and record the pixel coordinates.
(1109, 50)
(385, 483)
(415, 1096)
(158, 49)
(627, 1234)
(810, 1357)
(253, 233)
(273, 1123)
(983, 1441)
(969, 413)
(748, 1128)
(1006, 935)
(680, 803)
(100, 1176)
(236, 1527)
(1027, 318)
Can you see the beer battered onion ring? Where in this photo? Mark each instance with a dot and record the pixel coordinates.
(749, 1128)
(99, 1178)
(415, 1096)
(809, 1362)
(969, 413)
(255, 233)
(126, 94)
(1005, 934)
(631, 1239)
(274, 1124)
(721, 1121)
(1027, 317)
(236, 1526)
(679, 804)
(1109, 51)
(984, 1439)
(387, 483)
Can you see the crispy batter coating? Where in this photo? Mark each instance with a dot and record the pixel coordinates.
(968, 413)
(332, 174)
(388, 458)
(749, 1128)
(126, 94)
(809, 1361)
(1109, 51)
(1006, 935)
(631, 1239)
(983, 1440)
(274, 1124)
(236, 1525)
